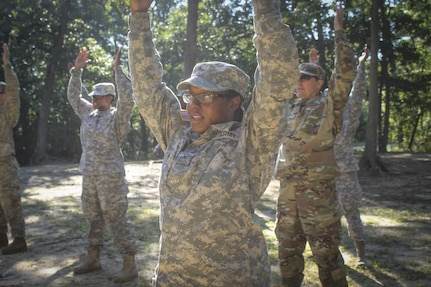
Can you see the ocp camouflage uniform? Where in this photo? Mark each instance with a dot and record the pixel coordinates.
(348, 188)
(104, 189)
(210, 183)
(10, 190)
(307, 207)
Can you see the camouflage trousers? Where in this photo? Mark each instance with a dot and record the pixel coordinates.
(104, 200)
(10, 198)
(309, 211)
(350, 195)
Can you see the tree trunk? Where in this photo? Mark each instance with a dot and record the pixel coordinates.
(412, 136)
(190, 49)
(387, 51)
(41, 151)
(370, 161)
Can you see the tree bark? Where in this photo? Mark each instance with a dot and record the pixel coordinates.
(41, 151)
(415, 128)
(190, 49)
(387, 52)
(370, 160)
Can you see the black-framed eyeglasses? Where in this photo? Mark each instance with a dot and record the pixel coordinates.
(206, 98)
(304, 78)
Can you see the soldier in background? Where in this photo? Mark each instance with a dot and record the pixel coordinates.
(218, 164)
(104, 190)
(10, 189)
(348, 188)
(307, 206)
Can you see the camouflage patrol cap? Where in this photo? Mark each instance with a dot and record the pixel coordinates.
(2, 87)
(313, 70)
(103, 89)
(217, 77)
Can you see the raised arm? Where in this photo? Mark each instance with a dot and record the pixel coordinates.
(275, 79)
(156, 102)
(276, 74)
(338, 19)
(353, 109)
(344, 69)
(74, 89)
(12, 101)
(343, 149)
(125, 98)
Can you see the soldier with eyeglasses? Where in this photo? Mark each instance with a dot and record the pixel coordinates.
(307, 205)
(218, 163)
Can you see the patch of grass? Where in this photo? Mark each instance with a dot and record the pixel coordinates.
(395, 215)
(386, 228)
(398, 230)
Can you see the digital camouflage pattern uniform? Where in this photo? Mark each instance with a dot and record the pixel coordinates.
(307, 206)
(104, 189)
(210, 183)
(348, 188)
(10, 190)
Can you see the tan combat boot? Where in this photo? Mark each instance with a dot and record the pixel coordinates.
(91, 264)
(360, 251)
(128, 272)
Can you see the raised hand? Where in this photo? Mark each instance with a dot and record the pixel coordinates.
(6, 54)
(364, 55)
(82, 59)
(339, 15)
(117, 59)
(140, 5)
(313, 56)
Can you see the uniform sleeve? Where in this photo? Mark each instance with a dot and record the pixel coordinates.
(353, 109)
(275, 79)
(157, 104)
(342, 76)
(13, 102)
(124, 103)
(343, 148)
(80, 105)
(84, 93)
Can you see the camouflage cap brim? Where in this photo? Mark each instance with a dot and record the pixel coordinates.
(309, 74)
(200, 83)
(313, 70)
(217, 77)
(103, 89)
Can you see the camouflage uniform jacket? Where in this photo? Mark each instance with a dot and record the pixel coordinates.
(9, 112)
(343, 148)
(210, 183)
(102, 131)
(313, 123)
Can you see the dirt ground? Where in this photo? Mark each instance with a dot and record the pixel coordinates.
(399, 249)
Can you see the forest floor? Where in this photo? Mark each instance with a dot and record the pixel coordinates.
(396, 212)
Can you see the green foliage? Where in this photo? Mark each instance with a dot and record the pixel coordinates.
(225, 30)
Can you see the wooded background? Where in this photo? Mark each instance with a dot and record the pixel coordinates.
(44, 36)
